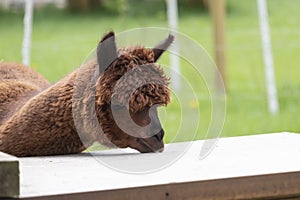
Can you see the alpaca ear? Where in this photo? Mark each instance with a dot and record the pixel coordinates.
(162, 46)
(106, 51)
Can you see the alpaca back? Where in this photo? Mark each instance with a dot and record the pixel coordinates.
(18, 83)
(43, 124)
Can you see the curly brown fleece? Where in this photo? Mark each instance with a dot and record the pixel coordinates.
(37, 118)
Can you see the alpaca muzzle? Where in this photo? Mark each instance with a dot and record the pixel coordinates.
(153, 144)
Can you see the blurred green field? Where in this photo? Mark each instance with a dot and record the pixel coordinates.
(61, 41)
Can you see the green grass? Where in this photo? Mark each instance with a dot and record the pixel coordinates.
(61, 42)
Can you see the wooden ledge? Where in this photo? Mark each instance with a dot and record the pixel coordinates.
(249, 167)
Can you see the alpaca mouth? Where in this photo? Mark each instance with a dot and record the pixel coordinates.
(148, 148)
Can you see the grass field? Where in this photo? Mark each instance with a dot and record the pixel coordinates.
(61, 42)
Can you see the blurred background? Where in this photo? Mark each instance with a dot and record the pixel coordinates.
(64, 32)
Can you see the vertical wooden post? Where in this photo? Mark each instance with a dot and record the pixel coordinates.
(217, 8)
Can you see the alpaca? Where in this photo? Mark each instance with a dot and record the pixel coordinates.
(37, 119)
(17, 84)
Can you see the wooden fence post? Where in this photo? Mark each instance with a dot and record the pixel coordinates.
(217, 9)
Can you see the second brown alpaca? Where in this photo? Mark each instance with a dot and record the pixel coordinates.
(37, 118)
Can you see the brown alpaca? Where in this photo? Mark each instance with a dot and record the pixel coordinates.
(37, 118)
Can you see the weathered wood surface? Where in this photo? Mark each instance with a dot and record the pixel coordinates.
(9, 176)
(248, 167)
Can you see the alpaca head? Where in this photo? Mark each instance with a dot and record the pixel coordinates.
(130, 88)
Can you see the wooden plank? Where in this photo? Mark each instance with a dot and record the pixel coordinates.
(9, 176)
(248, 167)
(255, 187)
